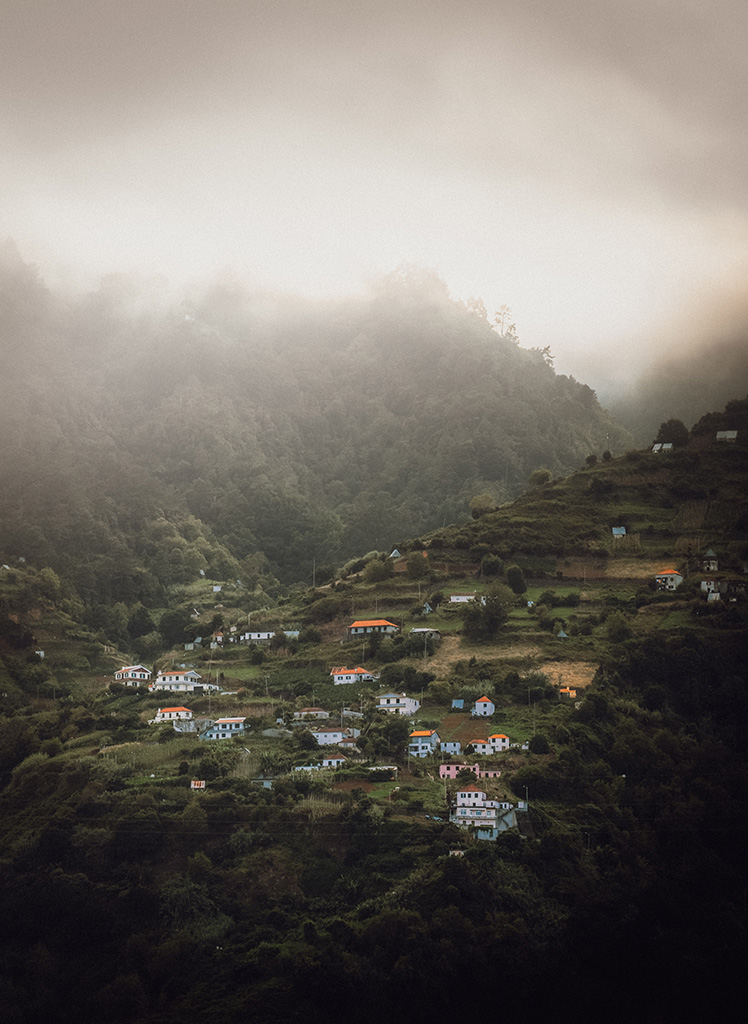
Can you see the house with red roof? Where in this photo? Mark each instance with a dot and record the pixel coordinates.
(133, 675)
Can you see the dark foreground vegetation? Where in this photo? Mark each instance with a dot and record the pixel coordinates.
(129, 898)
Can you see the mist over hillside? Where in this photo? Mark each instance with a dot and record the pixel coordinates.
(281, 431)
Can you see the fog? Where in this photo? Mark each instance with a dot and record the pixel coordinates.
(583, 163)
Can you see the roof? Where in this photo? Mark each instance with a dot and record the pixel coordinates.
(372, 622)
(498, 736)
(353, 671)
(472, 789)
(619, 531)
(222, 721)
(423, 732)
(668, 572)
(162, 710)
(484, 700)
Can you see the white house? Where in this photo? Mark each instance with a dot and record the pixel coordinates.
(730, 436)
(310, 714)
(133, 675)
(668, 579)
(397, 704)
(450, 747)
(710, 562)
(171, 715)
(423, 742)
(361, 627)
(499, 741)
(461, 598)
(472, 808)
(190, 682)
(341, 675)
(225, 729)
(327, 735)
(261, 636)
(483, 707)
(333, 761)
(619, 532)
(494, 744)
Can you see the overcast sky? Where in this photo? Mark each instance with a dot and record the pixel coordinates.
(583, 161)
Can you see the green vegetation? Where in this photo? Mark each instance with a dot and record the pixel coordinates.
(128, 896)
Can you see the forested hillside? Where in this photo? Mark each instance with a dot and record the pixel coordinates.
(285, 887)
(144, 437)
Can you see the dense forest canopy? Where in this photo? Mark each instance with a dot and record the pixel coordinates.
(259, 434)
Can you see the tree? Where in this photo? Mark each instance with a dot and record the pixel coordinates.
(539, 477)
(591, 460)
(516, 579)
(673, 432)
(481, 504)
(417, 567)
(140, 622)
(482, 619)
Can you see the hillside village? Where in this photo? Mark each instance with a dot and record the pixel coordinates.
(529, 709)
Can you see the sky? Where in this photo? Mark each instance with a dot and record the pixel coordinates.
(583, 162)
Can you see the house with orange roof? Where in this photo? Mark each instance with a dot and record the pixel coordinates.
(423, 742)
(225, 729)
(668, 579)
(483, 707)
(499, 741)
(171, 715)
(341, 675)
(362, 627)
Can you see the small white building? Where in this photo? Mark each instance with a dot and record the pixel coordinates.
(423, 742)
(362, 627)
(328, 735)
(133, 675)
(258, 636)
(334, 761)
(668, 579)
(450, 747)
(397, 704)
(181, 682)
(472, 808)
(310, 714)
(225, 729)
(483, 707)
(461, 598)
(341, 675)
(171, 715)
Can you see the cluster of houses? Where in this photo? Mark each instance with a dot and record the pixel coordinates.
(424, 742)
(173, 680)
(183, 720)
(715, 584)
